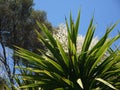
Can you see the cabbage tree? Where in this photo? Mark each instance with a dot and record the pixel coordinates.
(86, 70)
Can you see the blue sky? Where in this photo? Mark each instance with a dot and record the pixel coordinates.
(106, 12)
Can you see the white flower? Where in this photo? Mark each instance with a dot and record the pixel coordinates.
(61, 34)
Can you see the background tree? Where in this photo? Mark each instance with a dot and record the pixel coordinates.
(17, 27)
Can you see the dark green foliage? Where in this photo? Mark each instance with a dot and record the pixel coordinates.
(18, 23)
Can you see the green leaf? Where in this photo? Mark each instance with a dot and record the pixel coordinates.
(77, 24)
(59, 89)
(48, 34)
(105, 82)
(109, 65)
(104, 38)
(88, 37)
(67, 81)
(63, 54)
(102, 51)
(33, 85)
(56, 65)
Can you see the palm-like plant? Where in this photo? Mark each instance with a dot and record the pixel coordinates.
(86, 70)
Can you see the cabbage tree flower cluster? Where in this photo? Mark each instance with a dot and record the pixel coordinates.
(61, 34)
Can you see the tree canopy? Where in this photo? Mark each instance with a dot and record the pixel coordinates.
(17, 28)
